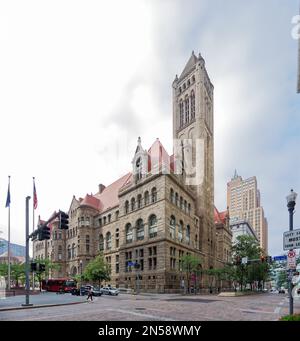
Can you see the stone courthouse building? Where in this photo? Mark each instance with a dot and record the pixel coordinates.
(161, 210)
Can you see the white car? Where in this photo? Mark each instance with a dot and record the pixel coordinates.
(110, 291)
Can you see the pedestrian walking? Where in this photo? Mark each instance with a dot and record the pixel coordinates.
(90, 294)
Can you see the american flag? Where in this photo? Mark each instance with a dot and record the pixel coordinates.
(35, 201)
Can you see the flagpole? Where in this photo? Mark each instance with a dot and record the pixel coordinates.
(8, 251)
(33, 209)
(33, 227)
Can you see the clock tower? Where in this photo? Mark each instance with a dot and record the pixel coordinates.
(193, 133)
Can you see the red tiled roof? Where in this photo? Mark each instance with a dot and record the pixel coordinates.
(109, 196)
(158, 155)
(91, 201)
(220, 217)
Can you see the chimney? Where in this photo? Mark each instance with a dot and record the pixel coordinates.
(101, 188)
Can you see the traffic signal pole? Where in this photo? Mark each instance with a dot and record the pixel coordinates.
(291, 207)
(27, 254)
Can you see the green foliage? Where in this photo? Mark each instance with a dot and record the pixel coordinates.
(17, 272)
(97, 270)
(295, 317)
(190, 265)
(254, 271)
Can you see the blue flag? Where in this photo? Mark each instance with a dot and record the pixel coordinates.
(8, 197)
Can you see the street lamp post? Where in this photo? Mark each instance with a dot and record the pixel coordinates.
(291, 202)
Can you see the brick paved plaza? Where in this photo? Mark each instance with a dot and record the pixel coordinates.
(160, 307)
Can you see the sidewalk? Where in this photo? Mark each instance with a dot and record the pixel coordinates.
(46, 299)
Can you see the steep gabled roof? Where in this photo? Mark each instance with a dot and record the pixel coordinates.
(190, 66)
(158, 156)
(91, 201)
(109, 196)
(220, 217)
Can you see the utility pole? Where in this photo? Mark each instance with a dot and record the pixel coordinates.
(27, 253)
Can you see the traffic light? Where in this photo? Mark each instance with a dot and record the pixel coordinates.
(41, 267)
(63, 221)
(33, 266)
(44, 232)
(269, 259)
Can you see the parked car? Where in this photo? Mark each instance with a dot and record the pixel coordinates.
(75, 292)
(281, 291)
(110, 291)
(96, 291)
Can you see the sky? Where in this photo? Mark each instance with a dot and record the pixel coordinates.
(80, 81)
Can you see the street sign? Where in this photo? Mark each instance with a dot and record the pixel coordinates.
(291, 260)
(291, 240)
(279, 258)
(244, 260)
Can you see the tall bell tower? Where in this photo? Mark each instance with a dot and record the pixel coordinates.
(193, 132)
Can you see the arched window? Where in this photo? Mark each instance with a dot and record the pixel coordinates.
(153, 195)
(146, 198)
(59, 252)
(108, 241)
(128, 233)
(181, 203)
(126, 206)
(140, 229)
(87, 243)
(117, 238)
(188, 234)
(189, 208)
(196, 241)
(139, 201)
(152, 226)
(73, 251)
(192, 105)
(180, 231)
(101, 243)
(181, 114)
(176, 199)
(187, 109)
(138, 169)
(172, 196)
(132, 204)
(185, 206)
(172, 227)
(69, 252)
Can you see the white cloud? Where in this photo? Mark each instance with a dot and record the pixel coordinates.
(80, 82)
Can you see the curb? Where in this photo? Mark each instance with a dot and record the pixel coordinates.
(39, 306)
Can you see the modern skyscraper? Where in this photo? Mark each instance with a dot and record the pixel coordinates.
(243, 200)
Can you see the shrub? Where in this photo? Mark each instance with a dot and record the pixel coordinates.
(295, 317)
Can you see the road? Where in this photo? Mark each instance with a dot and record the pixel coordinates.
(162, 307)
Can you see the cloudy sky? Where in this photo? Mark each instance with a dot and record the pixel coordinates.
(81, 80)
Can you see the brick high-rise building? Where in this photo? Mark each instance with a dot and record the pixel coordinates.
(156, 213)
(243, 200)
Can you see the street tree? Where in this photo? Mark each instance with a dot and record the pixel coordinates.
(97, 270)
(190, 265)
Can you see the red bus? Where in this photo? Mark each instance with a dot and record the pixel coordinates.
(58, 284)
